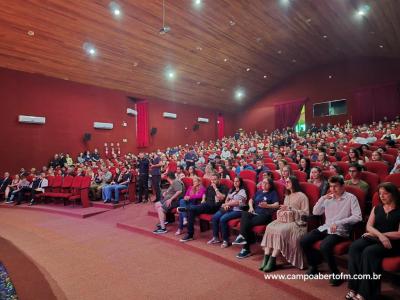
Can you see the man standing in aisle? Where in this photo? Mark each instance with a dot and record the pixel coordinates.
(155, 171)
(143, 182)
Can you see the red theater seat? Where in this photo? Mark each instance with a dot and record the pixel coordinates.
(393, 178)
(270, 166)
(187, 182)
(248, 174)
(301, 176)
(227, 182)
(377, 167)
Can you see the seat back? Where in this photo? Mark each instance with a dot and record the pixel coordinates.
(227, 182)
(301, 176)
(187, 181)
(375, 199)
(270, 166)
(389, 158)
(199, 173)
(372, 179)
(294, 166)
(359, 193)
(326, 174)
(312, 192)
(251, 188)
(67, 182)
(232, 174)
(248, 174)
(275, 175)
(206, 182)
(280, 190)
(344, 166)
(380, 168)
(393, 178)
(58, 181)
(268, 160)
(392, 151)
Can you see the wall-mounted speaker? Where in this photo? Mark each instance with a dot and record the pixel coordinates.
(153, 131)
(87, 137)
(196, 127)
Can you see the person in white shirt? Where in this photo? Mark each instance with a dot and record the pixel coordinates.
(396, 167)
(341, 210)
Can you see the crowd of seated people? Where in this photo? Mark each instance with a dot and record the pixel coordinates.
(330, 158)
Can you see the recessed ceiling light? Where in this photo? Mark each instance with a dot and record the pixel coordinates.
(308, 20)
(198, 82)
(381, 46)
(279, 51)
(115, 9)
(90, 49)
(198, 48)
(248, 70)
(171, 75)
(293, 60)
(265, 76)
(330, 76)
(197, 3)
(135, 64)
(186, 128)
(31, 33)
(325, 36)
(222, 89)
(363, 11)
(284, 2)
(239, 94)
(225, 59)
(232, 23)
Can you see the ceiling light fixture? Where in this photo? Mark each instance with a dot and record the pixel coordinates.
(164, 29)
(115, 9)
(239, 94)
(325, 36)
(381, 46)
(248, 70)
(90, 49)
(363, 11)
(197, 3)
(232, 23)
(265, 76)
(225, 59)
(31, 33)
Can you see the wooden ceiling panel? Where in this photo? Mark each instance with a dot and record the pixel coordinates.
(269, 37)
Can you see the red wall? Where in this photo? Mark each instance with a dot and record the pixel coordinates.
(316, 85)
(70, 109)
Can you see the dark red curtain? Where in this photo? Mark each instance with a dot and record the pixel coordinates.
(142, 124)
(287, 114)
(221, 126)
(375, 102)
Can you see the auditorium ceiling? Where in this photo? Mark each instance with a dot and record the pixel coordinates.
(221, 54)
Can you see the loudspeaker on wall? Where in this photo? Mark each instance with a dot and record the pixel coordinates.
(153, 131)
(87, 137)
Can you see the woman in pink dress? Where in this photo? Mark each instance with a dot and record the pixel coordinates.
(283, 237)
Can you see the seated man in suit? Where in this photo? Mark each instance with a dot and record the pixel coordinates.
(341, 211)
(212, 200)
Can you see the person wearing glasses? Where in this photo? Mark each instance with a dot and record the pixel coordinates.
(355, 172)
